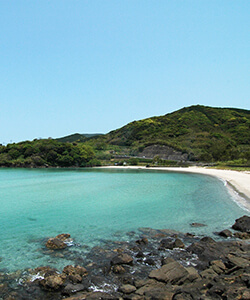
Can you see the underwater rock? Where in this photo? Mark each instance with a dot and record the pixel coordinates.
(197, 225)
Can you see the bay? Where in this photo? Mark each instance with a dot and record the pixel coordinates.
(96, 205)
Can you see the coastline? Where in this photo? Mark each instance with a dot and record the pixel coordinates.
(237, 182)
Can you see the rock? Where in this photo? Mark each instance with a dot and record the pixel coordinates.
(63, 236)
(178, 244)
(225, 233)
(55, 244)
(159, 293)
(192, 274)
(238, 261)
(169, 243)
(167, 260)
(127, 289)
(207, 250)
(58, 242)
(149, 285)
(149, 261)
(242, 224)
(140, 254)
(242, 235)
(118, 269)
(246, 295)
(73, 288)
(197, 225)
(209, 273)
(218, 266)
(122, 259)
(100, 295)
(44, 271)
(77, 270)
(143, 241)
(53, 282)
(166, 244)
(172, 272)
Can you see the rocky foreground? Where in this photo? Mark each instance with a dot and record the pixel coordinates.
(162, 264)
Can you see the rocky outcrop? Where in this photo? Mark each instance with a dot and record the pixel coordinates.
(242, 224)
(59, 242)
(148, 268)
(164, 152)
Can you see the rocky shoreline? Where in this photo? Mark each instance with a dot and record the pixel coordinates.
(161, 264)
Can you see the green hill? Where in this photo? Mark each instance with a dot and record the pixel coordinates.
(195, 133)
(203, 133)
(77, 137)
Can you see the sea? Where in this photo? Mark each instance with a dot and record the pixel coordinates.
(96, 206)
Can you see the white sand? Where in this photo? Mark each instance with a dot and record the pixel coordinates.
(238, 180)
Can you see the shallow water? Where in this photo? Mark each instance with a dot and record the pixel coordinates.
(95, 205)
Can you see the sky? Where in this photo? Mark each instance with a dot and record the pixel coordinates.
(93, 66)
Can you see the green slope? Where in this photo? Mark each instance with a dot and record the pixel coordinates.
(205, 133)
(77, 137)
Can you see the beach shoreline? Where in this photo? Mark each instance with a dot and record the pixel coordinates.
(237, 182)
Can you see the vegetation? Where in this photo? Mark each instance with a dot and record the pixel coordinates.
(47, 153)
(206, 134)
(216, 136)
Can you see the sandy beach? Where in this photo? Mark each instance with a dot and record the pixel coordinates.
(237, 181)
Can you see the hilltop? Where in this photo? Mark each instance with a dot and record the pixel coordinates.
(191, 134)
(200, 133)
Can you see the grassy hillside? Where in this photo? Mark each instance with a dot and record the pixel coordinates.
(205, 133)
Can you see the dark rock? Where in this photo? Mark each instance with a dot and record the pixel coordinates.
(143, 241)
(140, 254)
(172, 272)
(100, 295)
(225, 233)
(127, 289)
(178, 244)
(242, 224)
(149, 261)
(166, 244)
(170, 243)
(73, 288)
(122, 259)
(197, 225)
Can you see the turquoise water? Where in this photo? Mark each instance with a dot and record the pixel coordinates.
(95, 205)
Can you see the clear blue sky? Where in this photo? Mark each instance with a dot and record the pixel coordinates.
(94, 66)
